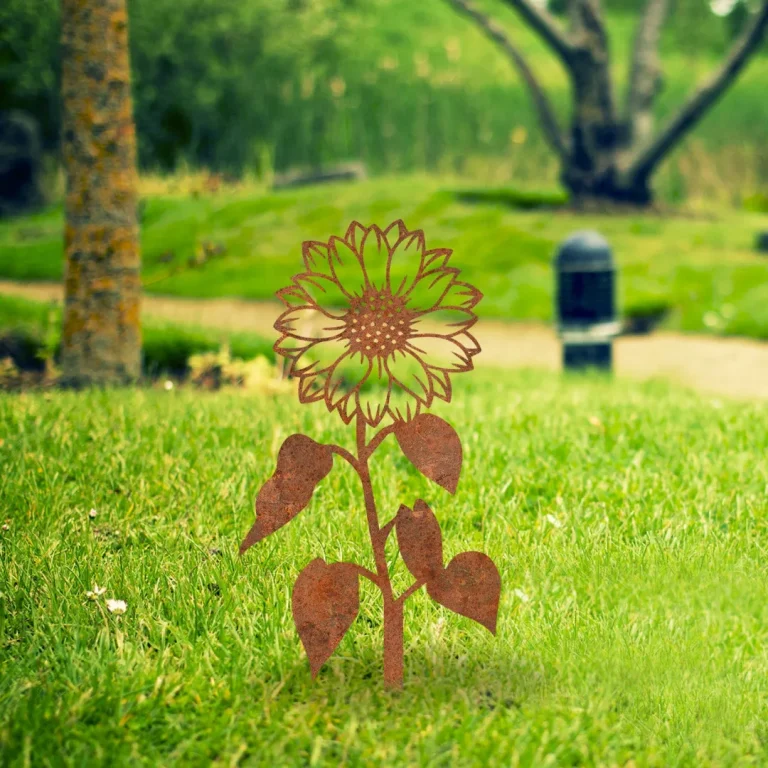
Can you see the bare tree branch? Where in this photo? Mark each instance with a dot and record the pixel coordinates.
(645, 71)
(585, 19)
(589, 15)
(590, 40)
(543, 23)
(701, 101)
(543, 107)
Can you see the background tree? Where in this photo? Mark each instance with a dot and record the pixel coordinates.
(611, 153)
(101, 340)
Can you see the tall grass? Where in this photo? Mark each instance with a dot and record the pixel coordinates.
(427, 92)
(489, 132)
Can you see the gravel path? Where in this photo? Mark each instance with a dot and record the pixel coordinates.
(725, 366)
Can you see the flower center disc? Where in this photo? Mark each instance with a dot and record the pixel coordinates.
(378, 324)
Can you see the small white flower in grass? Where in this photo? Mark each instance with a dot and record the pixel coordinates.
(7, 525)
(552, 520)
(521, 596)
(96, 592)
(117, 606)
(92, 514)
(168, 386)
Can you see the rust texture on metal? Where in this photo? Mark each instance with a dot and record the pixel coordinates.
(433, 447)
(470, 585)
(325, 602)
(301, 465)
(374, 327)
(420, 541)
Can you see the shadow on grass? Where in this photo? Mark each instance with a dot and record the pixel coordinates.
(482, 683)
(513, 198)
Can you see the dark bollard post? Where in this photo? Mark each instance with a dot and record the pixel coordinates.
(586, 306)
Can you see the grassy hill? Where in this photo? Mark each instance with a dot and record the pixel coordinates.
(700, 265)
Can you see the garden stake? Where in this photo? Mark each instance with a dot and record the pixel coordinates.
(374, 328)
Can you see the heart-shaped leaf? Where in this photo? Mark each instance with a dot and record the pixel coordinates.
(301, 465)
(420, 541)
(325, 602)
(433, 447)
(471, 586)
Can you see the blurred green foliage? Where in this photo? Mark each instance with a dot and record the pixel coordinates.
(31, 330)
(263, 85)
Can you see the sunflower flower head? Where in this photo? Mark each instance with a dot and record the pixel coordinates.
(376, 324)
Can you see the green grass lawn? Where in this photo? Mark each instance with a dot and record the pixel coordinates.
(628, 523)
(705, 268)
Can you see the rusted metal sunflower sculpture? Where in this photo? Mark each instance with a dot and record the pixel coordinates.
(375, 327)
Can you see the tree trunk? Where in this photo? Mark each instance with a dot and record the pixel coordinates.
(101, 338)
(607, 157)
(590, 168)
(608, 185)
(593, 171)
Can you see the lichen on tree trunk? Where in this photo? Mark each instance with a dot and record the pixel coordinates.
(101, 336)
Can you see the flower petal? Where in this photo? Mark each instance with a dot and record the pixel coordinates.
(395, 232)
(467, 342)
(404, 408)
(449, 321)
(311, 388)
(373, 397)
(428, 290)
(408, 373)
(290, 347)
(437, 258)
(347, 268)
(309, 324)
(441, 352)
(347, 408)
(441, 384)
(405, 263)
(461, 296)
(293, 296)
(375, 252)
(348, 374)
(315, 256)
(320, 356)
(354, 235)
(326, 293)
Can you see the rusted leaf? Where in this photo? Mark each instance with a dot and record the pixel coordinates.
(301, 465)
(325, 602)
(433, 447)
(420, 541)
(471, 586)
